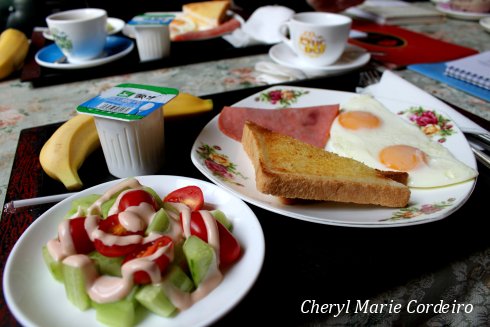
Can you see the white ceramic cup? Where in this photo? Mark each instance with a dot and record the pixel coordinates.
(317, 38)
(80, 33)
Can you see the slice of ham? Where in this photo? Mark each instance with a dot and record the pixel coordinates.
(227, 27)
(308, 124)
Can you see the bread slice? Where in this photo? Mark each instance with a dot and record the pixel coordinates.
(289, 168)
(207, 14)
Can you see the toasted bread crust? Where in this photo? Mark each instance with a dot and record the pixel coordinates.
(320, 175)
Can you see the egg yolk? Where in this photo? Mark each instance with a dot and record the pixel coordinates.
(402, 157)
(358, 119)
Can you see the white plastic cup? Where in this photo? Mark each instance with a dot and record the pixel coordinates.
(132, 148)
(317, 38)
(80, 33)
(153, 41)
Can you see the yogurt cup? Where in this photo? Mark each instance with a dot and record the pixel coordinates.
(152, 35)
(130, 124)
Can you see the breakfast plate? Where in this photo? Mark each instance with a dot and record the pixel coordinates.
(224, 162)
(187, 30)
(352, 58)
(36, 299)
(116, 47)
(485, 23)
(458, 14)
(114, 26)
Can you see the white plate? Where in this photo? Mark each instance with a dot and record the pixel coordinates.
(224, 161)
(116, 47)
(485, 23)
(114, 25)
(129, 29)
(352, 58)
(36, 299)
(464, 15)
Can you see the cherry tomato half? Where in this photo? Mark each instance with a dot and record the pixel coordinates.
(191, 195)
(145, 250)
(111, 225)
(79, 236)
(229, 248)
(134, 198)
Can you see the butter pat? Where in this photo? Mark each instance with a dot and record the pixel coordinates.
(130, 124)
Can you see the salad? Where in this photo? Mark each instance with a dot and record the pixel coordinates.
(129, 249)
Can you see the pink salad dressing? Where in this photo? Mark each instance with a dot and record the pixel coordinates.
(103, 289)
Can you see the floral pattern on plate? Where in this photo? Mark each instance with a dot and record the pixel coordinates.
(430, 122)
(219, 164)
(419, 210)
(283, 97)
(426, 205)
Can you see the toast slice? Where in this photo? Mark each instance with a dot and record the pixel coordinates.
(289, 168)
(207, 14)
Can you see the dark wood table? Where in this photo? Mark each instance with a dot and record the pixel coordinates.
(303, 261)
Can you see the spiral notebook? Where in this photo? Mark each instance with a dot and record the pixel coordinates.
(473, 69)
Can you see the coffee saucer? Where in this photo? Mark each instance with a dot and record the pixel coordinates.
(485, 23)
(445, 8)
(352, 58)
(116, 47)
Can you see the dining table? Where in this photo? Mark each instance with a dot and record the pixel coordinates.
(389, 276)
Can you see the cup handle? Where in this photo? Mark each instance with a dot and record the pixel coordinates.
(284, 32)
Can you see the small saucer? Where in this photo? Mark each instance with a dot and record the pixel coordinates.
(352, 58)
(114, 25)
(464, 15)
(485, 23)
(115, 48)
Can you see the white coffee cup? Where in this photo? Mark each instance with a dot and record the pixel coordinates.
(317, 38)
(80, 33)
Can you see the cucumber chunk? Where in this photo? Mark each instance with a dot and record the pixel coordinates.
(179, 278)
(221, 217)
(170, 209)
(76, 279)
(153, 298)
(121, 313)
(81, 203)
(107, 265)
(106, 206)
(200, 256)
(155, 196)
(53, 265)
(159, 223)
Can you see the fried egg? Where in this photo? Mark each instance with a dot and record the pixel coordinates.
(182, 24)
(367, 131)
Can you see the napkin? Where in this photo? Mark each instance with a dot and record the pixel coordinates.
(262, 27)
(392, 86)
(273, 73)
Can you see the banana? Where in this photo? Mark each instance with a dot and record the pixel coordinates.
(14, 46)
(66, 150)
(186, 104)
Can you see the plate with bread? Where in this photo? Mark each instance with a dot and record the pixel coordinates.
(199, 21)
(338, 158)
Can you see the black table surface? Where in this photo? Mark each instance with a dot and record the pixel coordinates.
(181, 53)
(303, 261)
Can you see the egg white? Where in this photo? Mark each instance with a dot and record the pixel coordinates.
(441, 168)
